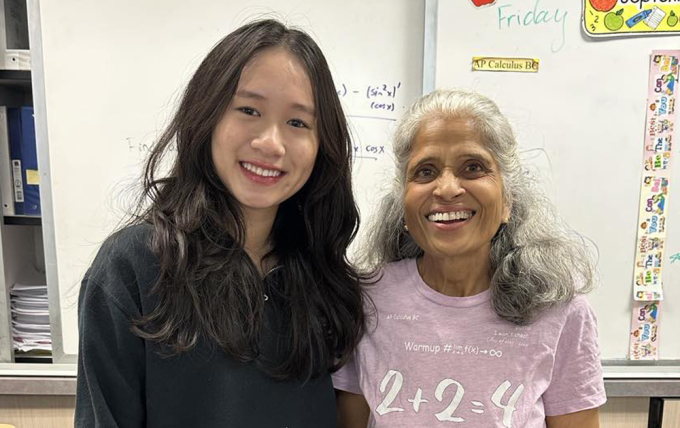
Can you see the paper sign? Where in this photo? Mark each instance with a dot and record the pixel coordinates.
(607, 18)
(648, 269)
(18, 182)
(658, 145)
(644, 336)
(651, 235)
(521, 65)
(653, 206)
(659, 128)
(32, 177)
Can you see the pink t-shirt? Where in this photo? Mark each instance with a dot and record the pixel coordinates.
(434, 360)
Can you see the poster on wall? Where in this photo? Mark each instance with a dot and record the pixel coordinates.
(644, 335)
(610, 18)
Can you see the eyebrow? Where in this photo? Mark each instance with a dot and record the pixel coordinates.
(304, 108)
(485, 157)
(249, 94)
(422, 160)
(254, 95)
(482, 155)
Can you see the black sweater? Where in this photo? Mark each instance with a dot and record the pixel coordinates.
(124, 382)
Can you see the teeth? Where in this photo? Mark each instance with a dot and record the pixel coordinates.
(450, 216)
(260, 171)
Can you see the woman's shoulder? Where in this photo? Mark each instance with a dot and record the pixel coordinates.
(573, 312)
(577, 306)
(393, 274)
(580, 311)
(129, 245)
(131, 235)
(125, 264)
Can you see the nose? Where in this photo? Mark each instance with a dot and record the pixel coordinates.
(448, 187)
(269, 142)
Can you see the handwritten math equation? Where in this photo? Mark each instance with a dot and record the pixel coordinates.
(369, 151)
(456, 392)
(379, 97)
(359, 151)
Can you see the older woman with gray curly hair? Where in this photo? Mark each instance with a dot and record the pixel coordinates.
(480, 317)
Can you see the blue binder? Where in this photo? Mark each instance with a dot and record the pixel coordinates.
(23, 149)
(15, 157)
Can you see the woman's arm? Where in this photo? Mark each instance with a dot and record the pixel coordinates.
(353, 410)
(110, 364)
(584, 419)
(576, 389)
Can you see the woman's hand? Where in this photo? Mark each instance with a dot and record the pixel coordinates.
(584, 419)
(353, 410)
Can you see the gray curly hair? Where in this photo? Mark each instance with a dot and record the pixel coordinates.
(537, 261)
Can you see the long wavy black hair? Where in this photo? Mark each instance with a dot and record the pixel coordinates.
(208, 287)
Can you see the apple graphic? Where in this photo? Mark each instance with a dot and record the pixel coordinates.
(614, 21)
(603, 5)
(480, 3)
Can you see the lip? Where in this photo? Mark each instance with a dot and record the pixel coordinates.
(263, 165)
(258, 178)
(447, 227)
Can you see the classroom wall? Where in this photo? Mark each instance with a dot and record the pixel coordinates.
(580, 123)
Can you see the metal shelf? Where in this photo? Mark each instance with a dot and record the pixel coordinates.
(15, 78)
(23, 221)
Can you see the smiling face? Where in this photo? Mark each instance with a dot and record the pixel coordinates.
(265, 145)
(453, 199)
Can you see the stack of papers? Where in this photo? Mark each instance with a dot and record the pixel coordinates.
(30, 318)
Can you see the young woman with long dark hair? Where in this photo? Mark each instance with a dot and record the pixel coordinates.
(228, 300)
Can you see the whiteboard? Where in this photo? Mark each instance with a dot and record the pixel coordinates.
(580, 122)
(113, 71)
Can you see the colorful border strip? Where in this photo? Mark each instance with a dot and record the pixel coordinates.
(659, 132)
(644, 338)
(612, 18)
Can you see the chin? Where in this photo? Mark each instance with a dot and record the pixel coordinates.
(443, 251)
(261, 205)
(256, 203)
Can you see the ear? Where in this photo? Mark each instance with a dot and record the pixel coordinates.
(507, 209)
